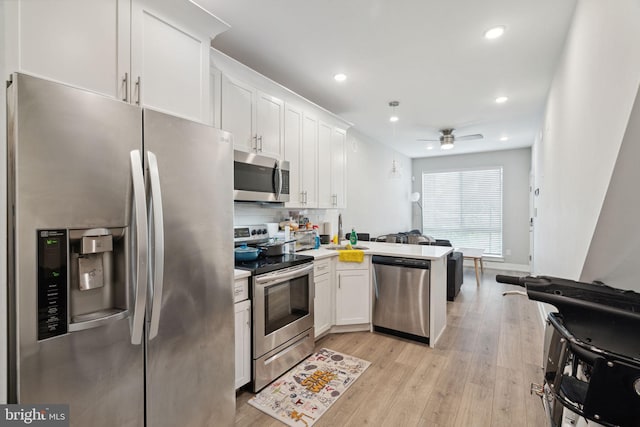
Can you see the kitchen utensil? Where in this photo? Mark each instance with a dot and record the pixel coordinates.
(327, 229)
(273, 248)
(245, 253)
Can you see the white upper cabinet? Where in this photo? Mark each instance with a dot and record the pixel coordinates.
(238, 118)
(151, 52)
(324, 165)
(215, 77)
(309, 161)
(255, 118)
(318, 181)
(170, 58)
(83, 43)
(301, 150)
(292, 153)
(332, 167)
(338, 168)
(269, 124)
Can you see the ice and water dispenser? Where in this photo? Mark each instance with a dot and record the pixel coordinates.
(82, 279)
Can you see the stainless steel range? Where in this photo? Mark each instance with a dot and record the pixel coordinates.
(282, 293)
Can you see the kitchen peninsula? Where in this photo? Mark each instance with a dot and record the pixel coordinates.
(438, 284)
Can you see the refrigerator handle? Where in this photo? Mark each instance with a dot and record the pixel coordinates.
(138, 239)
(156, 244)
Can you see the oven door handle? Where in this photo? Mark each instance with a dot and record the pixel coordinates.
(283, 276)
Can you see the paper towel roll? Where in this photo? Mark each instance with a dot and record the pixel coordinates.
(272, 228)
(327, 229)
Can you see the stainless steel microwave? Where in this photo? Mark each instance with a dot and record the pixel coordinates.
(259, 178)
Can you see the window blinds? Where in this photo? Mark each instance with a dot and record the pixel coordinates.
(464, 207)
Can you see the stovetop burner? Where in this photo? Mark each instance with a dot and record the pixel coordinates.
(268, 264)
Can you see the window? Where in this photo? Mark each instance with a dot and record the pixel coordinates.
(464, 207)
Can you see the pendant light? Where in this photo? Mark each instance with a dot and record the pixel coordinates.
(396, 168)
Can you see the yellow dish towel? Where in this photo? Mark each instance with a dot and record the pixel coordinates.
(351, 255)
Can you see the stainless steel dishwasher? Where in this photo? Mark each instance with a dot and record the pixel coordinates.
(402, 291)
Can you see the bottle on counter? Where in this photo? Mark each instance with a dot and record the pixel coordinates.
(317, 237)
(353, 237)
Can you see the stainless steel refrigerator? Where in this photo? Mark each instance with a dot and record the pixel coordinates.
(120, 260)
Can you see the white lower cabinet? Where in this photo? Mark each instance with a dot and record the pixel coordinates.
(353, 299)
(322, 306)
(243, 343)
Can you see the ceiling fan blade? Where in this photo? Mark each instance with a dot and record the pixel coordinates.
(428, 140)
(469, 137)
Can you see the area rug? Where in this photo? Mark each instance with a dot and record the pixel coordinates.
(302, 395)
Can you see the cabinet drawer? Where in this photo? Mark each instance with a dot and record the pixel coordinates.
(321, 267)
(364, 265)
(241, 289)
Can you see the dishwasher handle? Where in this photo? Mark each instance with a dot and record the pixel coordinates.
(423, 264)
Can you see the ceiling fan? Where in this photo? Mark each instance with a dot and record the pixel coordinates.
(447, 138)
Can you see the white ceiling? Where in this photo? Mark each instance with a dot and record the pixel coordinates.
(430, 55)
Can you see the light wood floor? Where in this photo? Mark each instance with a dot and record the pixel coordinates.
(479, 374)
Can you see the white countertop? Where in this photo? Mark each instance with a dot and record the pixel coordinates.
(240, 274)
(387, 249)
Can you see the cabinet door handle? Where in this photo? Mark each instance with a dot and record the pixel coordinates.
(254, 146)
(260, 141)
(125, 83)
(138, 89)
(339, 282)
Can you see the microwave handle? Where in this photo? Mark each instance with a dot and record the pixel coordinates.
(278, 183)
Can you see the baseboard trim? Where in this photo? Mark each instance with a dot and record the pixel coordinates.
(338, 329)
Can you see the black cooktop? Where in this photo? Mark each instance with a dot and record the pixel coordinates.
(268, 264)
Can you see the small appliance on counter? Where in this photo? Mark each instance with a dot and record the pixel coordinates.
(305, 240)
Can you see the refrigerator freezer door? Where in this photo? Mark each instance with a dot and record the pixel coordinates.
(69, 168)
(190, 362)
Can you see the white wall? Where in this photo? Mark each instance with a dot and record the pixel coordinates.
(515, 214)
(586, 115)
(376, 204)
(613, 255)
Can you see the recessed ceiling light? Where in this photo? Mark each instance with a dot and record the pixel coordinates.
(494, 33)
(504, 138)
(393, 118)
(501, 99)
(340, 77)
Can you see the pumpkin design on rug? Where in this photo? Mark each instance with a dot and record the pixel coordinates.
(302, 395)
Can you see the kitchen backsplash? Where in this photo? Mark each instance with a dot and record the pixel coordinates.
(251, 213)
